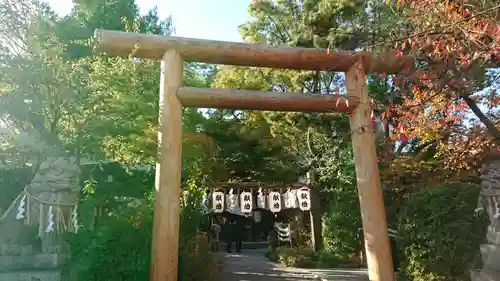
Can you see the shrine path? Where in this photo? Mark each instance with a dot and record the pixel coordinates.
(252, 265)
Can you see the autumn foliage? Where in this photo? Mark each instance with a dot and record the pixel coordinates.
(447, 103)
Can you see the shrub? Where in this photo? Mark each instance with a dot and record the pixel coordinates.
(272, 240)
(439, 233)
(272, 256)
(297, 257)
(197, 262)
(327, 259)
(304, 258)
(341, 224)
(120, 248)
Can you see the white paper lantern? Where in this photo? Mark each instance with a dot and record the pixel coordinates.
(290, 199)
(284, 200)
(218, 202)
(293, 199)
(274, 200)
(246, 202)
(304, 196)
(261, 199)
(232, 202)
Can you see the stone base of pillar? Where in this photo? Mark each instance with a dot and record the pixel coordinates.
(20, 263)
(483, 275)
(490, 254)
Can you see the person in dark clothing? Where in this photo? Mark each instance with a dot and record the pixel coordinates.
(229, 230)
(239, 229)
(233, 233)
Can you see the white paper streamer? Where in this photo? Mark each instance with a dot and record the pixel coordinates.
(283, 231)
(50, 220)
(74, 219)
(21, 210)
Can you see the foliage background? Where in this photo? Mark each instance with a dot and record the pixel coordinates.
(57, 99)
(440, 233)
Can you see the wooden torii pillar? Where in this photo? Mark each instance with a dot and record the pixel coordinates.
(173, 50)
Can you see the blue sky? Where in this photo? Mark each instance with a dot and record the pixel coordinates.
(205, 19)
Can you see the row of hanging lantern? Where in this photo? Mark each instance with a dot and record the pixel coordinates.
(272, 200)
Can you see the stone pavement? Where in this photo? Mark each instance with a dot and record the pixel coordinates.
(252, 265)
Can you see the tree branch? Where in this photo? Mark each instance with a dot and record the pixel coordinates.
(492, 129)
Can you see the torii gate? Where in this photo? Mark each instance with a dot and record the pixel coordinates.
(173, 51)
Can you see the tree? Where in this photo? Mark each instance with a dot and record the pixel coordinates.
(317, 143)
(453, 42)
(15, 19)
(314, 23)
(123, 15)
(105, 109)
(98, 107)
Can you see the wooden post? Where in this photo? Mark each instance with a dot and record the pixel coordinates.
(165, 247)
(378, 251)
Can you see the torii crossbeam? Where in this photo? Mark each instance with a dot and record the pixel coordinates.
(173, 51)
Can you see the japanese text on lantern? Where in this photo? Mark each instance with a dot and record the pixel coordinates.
(246, 202)
(274, 202)
(304, 196)
(218, 202)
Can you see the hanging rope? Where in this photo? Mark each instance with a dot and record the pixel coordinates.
(55, 216)
(49, 203)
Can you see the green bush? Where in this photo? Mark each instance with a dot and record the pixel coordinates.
(272, 256)
(120, 247)
(197, 262)
(297, 257)
(272, 240)
(341, 224)
(327, 259)
(439, 233)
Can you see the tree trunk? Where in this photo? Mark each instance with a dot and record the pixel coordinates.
(316, 223)
(490, 126)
